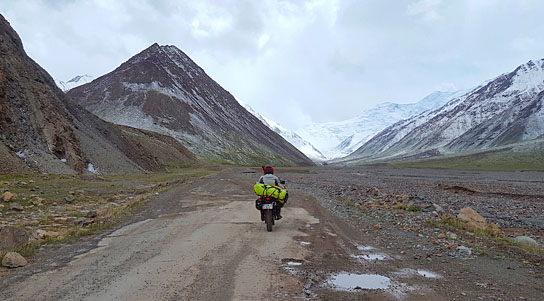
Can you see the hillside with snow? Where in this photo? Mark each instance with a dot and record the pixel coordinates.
(503, 111)
(339, 139)
(162, 90)
(304, 146)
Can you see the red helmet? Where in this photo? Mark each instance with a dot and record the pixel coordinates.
(268, 169)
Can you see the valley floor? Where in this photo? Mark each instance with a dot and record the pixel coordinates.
(205, 241)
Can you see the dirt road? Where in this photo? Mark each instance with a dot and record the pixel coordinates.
(205, 241)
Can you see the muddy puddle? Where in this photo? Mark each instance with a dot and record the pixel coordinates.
(428, 274)
(292, 261)
(349, 282)
(365, 248)
(419, 272)
(370, 256)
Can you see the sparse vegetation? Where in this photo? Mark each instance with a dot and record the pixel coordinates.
(499, 160)
(495, 237)
(44, 199)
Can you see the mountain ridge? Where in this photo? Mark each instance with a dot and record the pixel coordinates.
(338, 139)
(504, 110)
(41, 130)
(161, 89)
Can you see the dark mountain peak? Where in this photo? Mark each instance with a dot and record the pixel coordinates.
(42, 130)
(162, 89)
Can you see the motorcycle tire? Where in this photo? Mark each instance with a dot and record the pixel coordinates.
(269, 220)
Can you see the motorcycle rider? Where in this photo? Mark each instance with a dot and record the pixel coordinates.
(270, 179)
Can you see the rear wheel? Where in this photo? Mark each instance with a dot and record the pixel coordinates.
(269, 220)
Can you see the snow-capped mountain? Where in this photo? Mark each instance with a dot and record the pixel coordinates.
(505, 110)
(304, 146)
(339, 139)
(161, 89)
(74, 82)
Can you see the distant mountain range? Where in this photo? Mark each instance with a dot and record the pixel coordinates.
(41, 130)
(161, 89)
(304, 146)
(503, 111)
(74, 82)
(339, 139)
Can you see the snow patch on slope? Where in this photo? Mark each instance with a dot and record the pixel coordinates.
(304, 146)
(74, 82)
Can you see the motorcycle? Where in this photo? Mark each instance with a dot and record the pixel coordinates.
(268, 206)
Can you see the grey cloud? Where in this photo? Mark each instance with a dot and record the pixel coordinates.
(322, 60)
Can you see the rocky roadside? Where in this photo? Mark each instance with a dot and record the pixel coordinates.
(440, 220)
(516, 207)
(37, 210)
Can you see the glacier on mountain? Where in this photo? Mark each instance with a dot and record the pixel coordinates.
(339, 139)
(74, 82)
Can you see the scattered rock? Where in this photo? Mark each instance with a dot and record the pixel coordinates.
(12, 238)
(475, 221)
(451, 235)
(472, 218)
(43, 234)
(536, 222)
(526, 241)
(68, 199)
(7, 196)
(37, 201)
(14, 260)
(81, 221)
(374, 191)
(92, 214)
(462, 251)
(57, 208)
(16, 207)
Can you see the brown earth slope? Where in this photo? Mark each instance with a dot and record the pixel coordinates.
(42, 130)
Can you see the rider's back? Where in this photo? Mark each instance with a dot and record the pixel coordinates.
(269, 179)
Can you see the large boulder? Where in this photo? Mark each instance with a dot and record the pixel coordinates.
(7, 196)
(526, 241)
(12, 238)
(475, 221)
(472, 218)
(16, 207)
(14, 260)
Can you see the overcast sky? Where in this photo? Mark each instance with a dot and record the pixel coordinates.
(294, 61)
